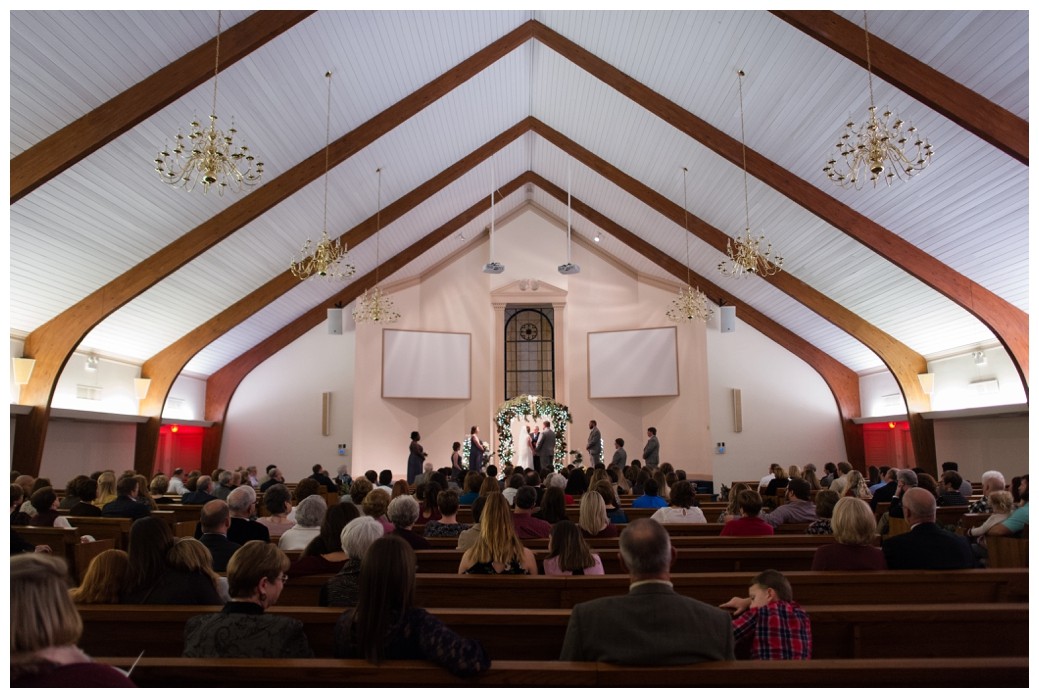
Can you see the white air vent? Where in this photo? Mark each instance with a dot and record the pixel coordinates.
(175, 403)
(985, 387)
(88, 392)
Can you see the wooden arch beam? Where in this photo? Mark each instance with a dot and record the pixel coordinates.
(842, 381)
(1008, 322)
(221, 386)
(52, 343)
(904, 363)
(164, 367)
(64, 148)
(964, 107)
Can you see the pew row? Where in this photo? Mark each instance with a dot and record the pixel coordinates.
(906, 587)
(998, 672)
(66, 543)
(838, 632)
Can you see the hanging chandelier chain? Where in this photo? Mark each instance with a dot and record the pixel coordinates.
(869, 65)
(378, 221)
(685, 213)
(216, 60)
(743, 143)
(328, 131)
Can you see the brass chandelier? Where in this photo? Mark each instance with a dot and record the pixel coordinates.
(374, 306)
(207, 155)
(327, 259)
(748, 254)
(881, 144)
(689, 304)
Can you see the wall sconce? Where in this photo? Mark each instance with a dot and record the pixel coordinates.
(927, 382)
(979, 358)
(92, 362)
(140, 386)
(23, 370)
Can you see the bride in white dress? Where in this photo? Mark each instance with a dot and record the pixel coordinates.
(522, 444)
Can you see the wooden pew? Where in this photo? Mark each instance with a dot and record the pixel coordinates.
(819, 588)
(66, 543)
(838, 632)
(118, 528)
(680, 542)
(1007, 552)
(355, 673)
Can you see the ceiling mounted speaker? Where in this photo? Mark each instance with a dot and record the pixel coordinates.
(493, 268)
(335, 321)
(727, 318)
(569, 268)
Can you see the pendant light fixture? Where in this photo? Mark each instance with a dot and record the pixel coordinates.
(569, 267)
(492, 267)
(374, 306)
(690, 303)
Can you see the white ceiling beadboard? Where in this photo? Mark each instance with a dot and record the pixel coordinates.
(109, 212)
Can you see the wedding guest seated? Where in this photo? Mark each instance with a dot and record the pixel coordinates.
(324, 554)
(202, 493)
(447, 526)
(682, 509)
(426, 494)
(949, 490)
(375, 505)
(593, 521)
(614, 512)
(1001, 504)
(242, 505)
(649, 500)
(856, 486)
(515, 482)
(359, 489)
(473, 483)
(45, 502)
(568, 553)
(403, 512)
(778, 480)
(553, 506)
(468, 538)
(1017, 522)
(152, 579)
(256, 577)
(775, 625)
(304, 488)
(732, 509)
(276, 500)
(157, 489)
(309, 515)
(191, 556)
(385, 624)
(825, 501)
(103, 579)
(125, 505)
(559, 480)
(45, 627)
(400, 488)
(72, 497)
(854, 528)
(86, 491)
(749, 524)
(927, 546)
(798, 507)
(523, 521)
(356, 538)
(214, 519)
(498, 550)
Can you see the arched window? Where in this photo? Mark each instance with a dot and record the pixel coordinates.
(529, 352)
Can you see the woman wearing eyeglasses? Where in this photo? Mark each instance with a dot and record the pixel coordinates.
(256, 577)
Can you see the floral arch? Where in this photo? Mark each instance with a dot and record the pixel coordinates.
(536, 407)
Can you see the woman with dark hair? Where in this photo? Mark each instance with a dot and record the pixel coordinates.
(45, 502)
(416, 457)
(825, 501)
(400, 488)
(324, 554)
(72, 497)
(86, 490)
(553, 506)
(256, 577)
(385, 624)
(568, 553)
(456, 460)
(447, 525)
(475, 450)
(473, 483)
(809, 476)
(427, 495)
(577, 483)
(152, 579)
(276, 500)
(682, 509)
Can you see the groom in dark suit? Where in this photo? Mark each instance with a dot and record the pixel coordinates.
(546, 447)
(652, 624)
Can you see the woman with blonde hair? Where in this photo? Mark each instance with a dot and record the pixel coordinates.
(854, 528)
(489, 485)
(105, 489)
(663, 490)
(732, 510)
(104, 577)
(614, 512)
(809, 476)
(568, 553)
(856, 486)
(793, 471)
(191, 556)
(45, 627)
(1002, 504)
(375, 506)
(780, 480)
(498, 550)
(593, 521)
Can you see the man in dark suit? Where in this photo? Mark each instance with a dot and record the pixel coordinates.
(202, 493)
(885, 492)
(215, 519)
(927, 546)
(322, 478)
(651, 453)
(546, 448)
(242, 503)
(620, 456)
(125, 505)
(652, 624)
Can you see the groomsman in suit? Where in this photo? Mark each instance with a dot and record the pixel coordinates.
(546, 448)
(651, 453)
(594, 444)
(620, 456)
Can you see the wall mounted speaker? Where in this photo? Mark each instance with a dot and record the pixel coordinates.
(335, 321)
(727, 318)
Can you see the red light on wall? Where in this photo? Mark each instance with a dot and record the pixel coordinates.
(175, 428)
(890, 425)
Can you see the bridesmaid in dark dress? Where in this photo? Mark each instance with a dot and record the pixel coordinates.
(475, 450)
(416, 457)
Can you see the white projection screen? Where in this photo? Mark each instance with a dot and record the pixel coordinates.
(429, 365)
(633, 363)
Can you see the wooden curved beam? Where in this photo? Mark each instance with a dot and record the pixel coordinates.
(221, 386)
(164, 367)
(52, 343)
(1008, 322)
(985, 119)
(64, 148)
(904, 363)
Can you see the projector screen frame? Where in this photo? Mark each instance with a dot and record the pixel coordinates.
(469, 366)
(678, 383)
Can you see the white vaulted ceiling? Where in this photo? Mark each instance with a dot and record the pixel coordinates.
(102, 216)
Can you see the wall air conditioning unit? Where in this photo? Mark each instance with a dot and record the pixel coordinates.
(88, 392)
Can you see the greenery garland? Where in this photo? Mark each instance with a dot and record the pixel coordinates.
(538, 408)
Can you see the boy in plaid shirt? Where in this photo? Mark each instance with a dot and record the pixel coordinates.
(779, 628)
